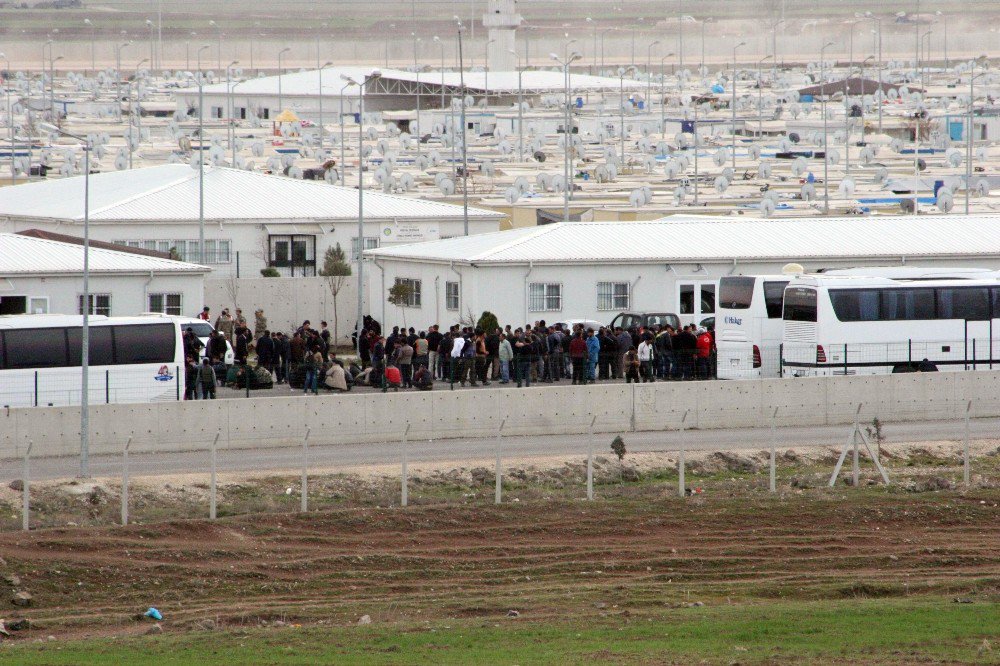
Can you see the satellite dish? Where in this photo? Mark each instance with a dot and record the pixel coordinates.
(720, 156)
(764, 170)
(295, 172)
(543, 181)
(121, 162)
(601, 174)
(487, 168)
(438, 177)
(422, 162)
(728, 174)
(558, 183)
(767, 207)
(330, 175)
(792, 269)
(672, 169)
(954, 157)
(833, 155)
(794, 137)
(539, 156)
(721, 184)
(380, 176)
(983, 187)
(406, 182)
(754, 151)
(846, 188)
(881, 174)
(945, 201)
(799, 166)
(447, 187)
(808, 192)
(511, 195)
(921, 164)
(867, 155)
(637, 199)
(257, 149)
(522, 185)
(907, 205)
(896, 145)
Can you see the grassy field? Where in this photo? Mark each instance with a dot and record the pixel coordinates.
(897, 631)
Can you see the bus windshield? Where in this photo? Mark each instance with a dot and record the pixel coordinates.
(800, 304)
(736, 293)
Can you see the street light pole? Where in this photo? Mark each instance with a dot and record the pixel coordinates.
(441, 43)
(201, 160)
(52, 85)
(280, 71)
(622, 71)
(649, 76)
(321, 129)
(85, 331)
(520, 108)
(232, 114)
(133, 109)
(968, 137)
(567, 129)
(760, 97)
(118, 79)
(93, 56)
(734, 104)
(826, 148)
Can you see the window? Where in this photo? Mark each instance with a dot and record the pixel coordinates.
(451, 301)
(296, 253)
(856, 304)
(800, 304)
(686, 299)
(612, 295)
(39, 305)
(265, 113)
(708, 299)
(216, 112)
(774, 294)
(217, 250)
(544, 297)
(102, 351)
(165, 303)
(100, 304)
(736, 293)
(35, 348)
(145, 344)
(904, 304)
(371, 242)
(30, 348)
(967, 303)
(413, 298)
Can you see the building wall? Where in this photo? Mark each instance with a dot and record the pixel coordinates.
(129, 293)
(503, 290)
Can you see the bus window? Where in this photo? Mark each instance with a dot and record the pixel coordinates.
(35, 348)
(800, 304)
(774, 293)
(101, 350)
(855, 304)
(736, 293)
(963, 303)
(144, 344)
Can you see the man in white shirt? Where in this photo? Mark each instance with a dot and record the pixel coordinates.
(645, 354)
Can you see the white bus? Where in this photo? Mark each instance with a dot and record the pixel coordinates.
(748, 326)
(132, 359)
(855, 325)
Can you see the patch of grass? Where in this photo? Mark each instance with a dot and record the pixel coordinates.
(892, 631)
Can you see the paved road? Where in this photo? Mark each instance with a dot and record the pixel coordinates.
(465, 452)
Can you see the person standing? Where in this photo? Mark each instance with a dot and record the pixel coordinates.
(404, 358)
(624, 345)
(506, 354)
(310, 364)
(578, 356)
(645, 354)
(522, 358)
(259, 323)
(224, 324)
(240, 320)
(191, 372)
(242, 348)
(420, 351)
(281, 353)
(433, 342)
(593, 353)
(457, 347)
(206, 377)
(265, 351)
(205, 315)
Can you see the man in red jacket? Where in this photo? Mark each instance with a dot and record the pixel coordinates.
(578, 355)
(703, 353)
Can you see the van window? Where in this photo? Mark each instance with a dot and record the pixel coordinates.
(736, 293)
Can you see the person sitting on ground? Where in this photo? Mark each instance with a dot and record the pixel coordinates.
(631, 366)
(336, 377)
(422, 379)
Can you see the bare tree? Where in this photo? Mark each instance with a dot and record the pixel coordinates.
(336, 270)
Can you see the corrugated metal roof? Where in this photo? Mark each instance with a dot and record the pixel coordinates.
(701, 239)
(170, 192)
(24, 255)
(307, 83)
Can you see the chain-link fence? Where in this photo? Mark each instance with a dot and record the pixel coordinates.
(204, 476)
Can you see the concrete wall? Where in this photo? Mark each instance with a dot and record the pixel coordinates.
(287, 302)
(353, 418)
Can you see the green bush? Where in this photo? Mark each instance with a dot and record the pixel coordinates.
(269, 272)
(488, 322)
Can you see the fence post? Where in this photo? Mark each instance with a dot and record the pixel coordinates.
(680, 459)
(405, 491)
(107, 387)
(246, 373)
(965, 447)
(36, 388)
(774, 440)
(497, 493)
(25, 493)
(590, 461)
(305, 472)
(125, 482)
(177, 384)
(212, 482)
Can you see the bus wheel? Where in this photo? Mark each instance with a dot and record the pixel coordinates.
(903, 367)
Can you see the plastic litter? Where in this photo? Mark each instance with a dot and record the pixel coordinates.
(153, 613)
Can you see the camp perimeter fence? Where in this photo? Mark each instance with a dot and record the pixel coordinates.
(306, 462)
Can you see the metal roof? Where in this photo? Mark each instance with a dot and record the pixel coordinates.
(295, 84)
(170, 193)
(25, 255)
(688, 238)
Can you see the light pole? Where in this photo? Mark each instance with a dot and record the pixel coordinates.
(826, 148)
(232, 114)
(878, 33)
(85, 331)
(152, 46)
(52, 86)
(118, 79)
(923, 68)
(760, 97)
(256, 27)
(93, 56)
(201, 160)
(703, 23)
(567, 129)
(133, 108)
(622, 71)
(218, 49)
(734, 104)
(591, 21)
(280, 72)
(343, 158)
(663, 93)
(441, 44)
(649, 76)
(486, 71)
(375, 74)
(187, 51)
(774, 40)
(10, 121)
(603, 33)
(968, 137)
(392, 28)
(635, 28)
(465, 142)
(869, 58)
(321, 130)
(944, 21)
(520, 108)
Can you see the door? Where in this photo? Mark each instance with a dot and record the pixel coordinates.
(13, 305)
(696, 301)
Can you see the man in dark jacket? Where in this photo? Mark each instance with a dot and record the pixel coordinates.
(241, 348)
(433, 343)
(663, 346)
(265, 351)
(281, 353)
(624, 345)
(685, 344)
(578, 356)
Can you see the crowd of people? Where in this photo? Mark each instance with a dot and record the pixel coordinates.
(406, 358)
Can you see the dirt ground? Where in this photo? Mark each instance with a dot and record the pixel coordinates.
(547, 554)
